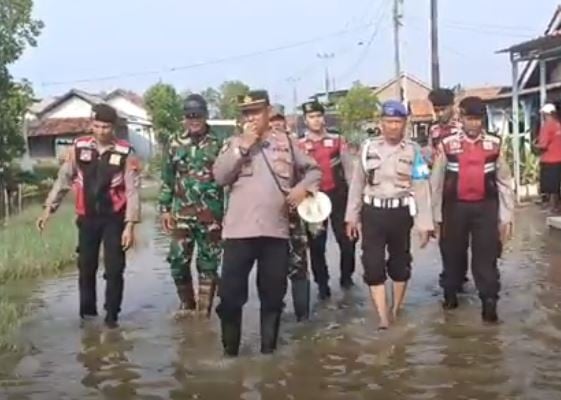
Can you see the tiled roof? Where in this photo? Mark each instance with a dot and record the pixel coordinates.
(59, 126)
(129, 95)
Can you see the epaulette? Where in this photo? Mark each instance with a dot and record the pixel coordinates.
(122, 146)
(84, 141)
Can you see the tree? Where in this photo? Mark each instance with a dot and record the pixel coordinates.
(358, 106)
(166, 108)
(227, 102)
(18, 31)
(212, 97)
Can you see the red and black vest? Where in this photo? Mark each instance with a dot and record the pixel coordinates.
(100, 178)
(471, 167)
(327, 153)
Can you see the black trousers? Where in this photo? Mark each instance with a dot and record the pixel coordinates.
(443, 245)
(477, 221)
(386, 229)
(92, 231)
(272, 258)
(317, 242)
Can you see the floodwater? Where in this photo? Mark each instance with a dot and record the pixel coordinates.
(428, 354)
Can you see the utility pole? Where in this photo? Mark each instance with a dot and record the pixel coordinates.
(397, 45)
(294, 82)
(326, 57)
(435, 62)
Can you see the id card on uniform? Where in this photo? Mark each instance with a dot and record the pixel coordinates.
(85, 155)
(115, 159)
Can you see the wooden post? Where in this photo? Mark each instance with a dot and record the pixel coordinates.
(543, 83)
(20, 198)
(515, 128)
(6, 203)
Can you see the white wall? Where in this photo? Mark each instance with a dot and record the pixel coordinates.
(75, 107)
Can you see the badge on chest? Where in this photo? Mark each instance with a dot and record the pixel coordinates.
(115, 159)
(487, 145)
(86, 155)
(328, 143)
(455, 147)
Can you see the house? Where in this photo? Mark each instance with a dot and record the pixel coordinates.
(52, 125)
(414, 91)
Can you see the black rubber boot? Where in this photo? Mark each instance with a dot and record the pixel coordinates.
(111, 320)
(301, 299)
(231, 333)
(270, 322)
(324, 291)
(489, 311)
(450, 300)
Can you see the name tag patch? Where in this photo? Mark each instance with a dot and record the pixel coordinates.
(85, 155)
(328, 143)
(487, 145)
(115, 159)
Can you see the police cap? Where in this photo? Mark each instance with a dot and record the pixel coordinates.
(394, 108)
(473, 107)
(195, 106)
(254, 99)
(105, 113)
(277, 111)
(313, 106)
(441, 97)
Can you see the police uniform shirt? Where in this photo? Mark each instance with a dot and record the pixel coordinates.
(399, 171)
(256, 206)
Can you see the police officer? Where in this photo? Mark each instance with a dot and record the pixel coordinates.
(330, 152)
(389, 192)
(298, 242)
(192, 203)
(258, 166)
(472, 198)
(104, 173)
(446, 124)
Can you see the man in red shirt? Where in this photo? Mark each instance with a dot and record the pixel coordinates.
(549, 142)
(330, 152)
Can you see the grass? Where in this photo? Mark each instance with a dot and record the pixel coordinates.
(25, 255)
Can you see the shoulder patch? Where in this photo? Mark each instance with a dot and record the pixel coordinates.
(449, 139)
(123, 149)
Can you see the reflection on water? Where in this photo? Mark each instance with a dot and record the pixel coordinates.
(428, 354)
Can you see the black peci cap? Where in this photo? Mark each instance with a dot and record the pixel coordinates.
(441, 97)
(105, 113)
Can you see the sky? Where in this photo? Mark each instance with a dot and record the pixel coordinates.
(106, 44)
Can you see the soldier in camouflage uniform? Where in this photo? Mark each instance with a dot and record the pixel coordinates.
(192, 207)
(298, 242)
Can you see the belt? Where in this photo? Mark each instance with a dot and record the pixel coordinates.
(387, 203)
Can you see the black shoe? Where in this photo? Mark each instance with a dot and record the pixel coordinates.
(450, 300)
(301, 299)
(347, 283)
(111, 321)
(489, 311)
(270, 322)
(324, 291)
(231, 334)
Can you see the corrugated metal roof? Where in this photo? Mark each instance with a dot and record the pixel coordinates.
(541, 44)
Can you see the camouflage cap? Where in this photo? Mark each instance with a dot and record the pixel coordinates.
(253, 99)
(313, 106)
(277, 111)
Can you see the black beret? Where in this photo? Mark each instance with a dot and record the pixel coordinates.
(313, 106)
(441, 97)
(195, 105)
(473, 106)
(253, 99)
(105, 113)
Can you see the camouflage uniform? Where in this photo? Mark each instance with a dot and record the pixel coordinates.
(196, 203)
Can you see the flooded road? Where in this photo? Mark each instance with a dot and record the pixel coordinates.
(428, 354)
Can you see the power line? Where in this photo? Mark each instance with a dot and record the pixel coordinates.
(209, 62)
(381, 15)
